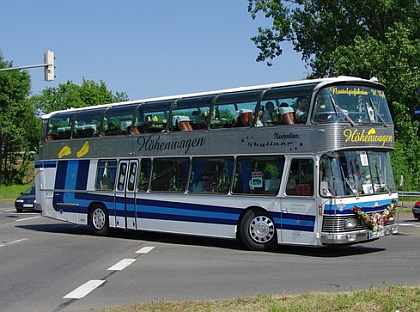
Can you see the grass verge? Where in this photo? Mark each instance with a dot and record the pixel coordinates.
(8, 193)
(396, 298)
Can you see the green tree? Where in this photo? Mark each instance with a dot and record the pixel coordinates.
(360, 38)
(71, 95)
(16, 124)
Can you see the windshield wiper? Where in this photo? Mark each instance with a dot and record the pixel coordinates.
(382, 180)
(346, 116)
(376, 111)
(355, 192)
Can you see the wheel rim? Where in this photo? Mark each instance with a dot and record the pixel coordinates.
(98, 218)
(261, 229)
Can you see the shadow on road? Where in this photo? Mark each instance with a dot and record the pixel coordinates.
(71, 229)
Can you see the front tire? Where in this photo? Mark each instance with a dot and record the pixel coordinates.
(258, 231)
(99, 220)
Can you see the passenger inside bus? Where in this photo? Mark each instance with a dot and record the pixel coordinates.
(301, 109)
(267, 117)
(287, 114)
(244, 118)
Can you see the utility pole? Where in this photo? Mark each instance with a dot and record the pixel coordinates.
(48, 66)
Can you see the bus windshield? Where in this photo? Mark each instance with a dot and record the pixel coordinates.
(356, 173)
(351, 103)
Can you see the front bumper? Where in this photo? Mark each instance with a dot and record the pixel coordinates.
(357, 236)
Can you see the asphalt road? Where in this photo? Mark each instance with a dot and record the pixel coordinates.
(47, 265)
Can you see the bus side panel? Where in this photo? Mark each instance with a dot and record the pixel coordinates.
(45, 173)
(298, 221)
(70, 183)
(185, 214)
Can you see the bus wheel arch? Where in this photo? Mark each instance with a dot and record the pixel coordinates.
(98, 219)
(257, 230)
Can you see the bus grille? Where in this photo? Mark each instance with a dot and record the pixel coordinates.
(335, 224)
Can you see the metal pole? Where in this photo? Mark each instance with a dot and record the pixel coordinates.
(23, 67)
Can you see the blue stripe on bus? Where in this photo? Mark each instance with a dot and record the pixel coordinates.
(290, 221)
(366, 207)
(82, 174)
(186, 218)
(71, 175)
(147, 210)
(60, 177)
(154, 203)
(174, 211)
(45, 164)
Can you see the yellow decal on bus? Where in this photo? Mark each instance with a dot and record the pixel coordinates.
(84, 150)
(357, 136)
(65, 151)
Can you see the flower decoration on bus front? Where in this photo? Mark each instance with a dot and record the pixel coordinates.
(65, 151)
(84, 150)
(376, 221)
(363, 136)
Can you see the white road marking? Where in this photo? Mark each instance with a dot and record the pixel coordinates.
(144, 250)
(121, 265)
(84, 289)
(25, 219)
(13, 242)
(91, 285)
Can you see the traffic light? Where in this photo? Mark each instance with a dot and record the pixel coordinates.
(49, 65)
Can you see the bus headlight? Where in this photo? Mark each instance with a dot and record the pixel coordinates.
(350, 223)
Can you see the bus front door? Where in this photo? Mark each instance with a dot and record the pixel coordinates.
(299, 207)
(125, 210)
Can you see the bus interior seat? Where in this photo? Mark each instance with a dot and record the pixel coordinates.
(50, 137)
(136, 130)
(182, 123)
(133, 130)
(198, 120)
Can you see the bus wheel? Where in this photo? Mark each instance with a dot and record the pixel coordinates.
(258, 231)
(99, 221)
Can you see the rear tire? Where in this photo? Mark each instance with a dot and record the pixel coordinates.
(258, 231)
(99, 220)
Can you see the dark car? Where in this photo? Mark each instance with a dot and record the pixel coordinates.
(416, 210)
(27, 201)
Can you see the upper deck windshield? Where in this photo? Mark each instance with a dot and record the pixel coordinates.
(356, 104)
(356, 173)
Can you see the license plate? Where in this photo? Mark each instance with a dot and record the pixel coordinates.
(27, 205)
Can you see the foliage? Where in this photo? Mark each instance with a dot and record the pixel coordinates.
(8, 193)
(20, 124)
(71, 95)
(397, 298)
(364, 38)
(17, 125)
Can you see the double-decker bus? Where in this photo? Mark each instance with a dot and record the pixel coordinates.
(300, 163)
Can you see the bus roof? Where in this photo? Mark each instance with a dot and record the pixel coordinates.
(320, 81)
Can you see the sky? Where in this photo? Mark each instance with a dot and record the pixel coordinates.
(145, 48)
